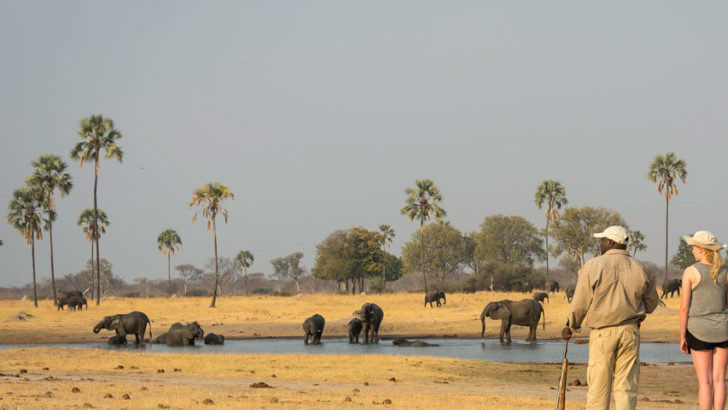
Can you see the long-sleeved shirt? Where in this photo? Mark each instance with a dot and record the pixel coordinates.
(612, 290)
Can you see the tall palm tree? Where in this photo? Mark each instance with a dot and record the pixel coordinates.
(423, 204)
(244, 260)
(169, 242)
(87, 221)
(666, 170)
(49, 175)
(552, 195)
(25, 215)
(98, 134)
(636, 242)
(387, 239)
(209, 199)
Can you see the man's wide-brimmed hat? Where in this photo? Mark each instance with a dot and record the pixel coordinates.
(704, 239)
(616, 233)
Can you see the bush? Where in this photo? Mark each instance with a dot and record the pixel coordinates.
(506, 277)
(198, 292)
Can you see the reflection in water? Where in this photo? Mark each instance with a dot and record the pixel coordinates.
(493, 350)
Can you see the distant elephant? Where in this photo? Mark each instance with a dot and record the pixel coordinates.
(183, 335)
(161, 339)
(569, 292)
(62, 299)
(371, 317)
(129, 323)
(435, 297)
(354, 330)
(526, 312)
(313, 327)
(671, 286)
(117, 340)
(469, 288)
(411, 343)
(552, 286)
(76, 302)
(527, 287)
(540, 296)
(213, 339)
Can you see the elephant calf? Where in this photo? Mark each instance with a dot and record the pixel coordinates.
(435, 297)
(540, 296)
(213, 339)
(129, 323)
(76, 302)
(526, 312)
(63, 297)
(313, 327)
(411, 343)
(117, 340)
(354, 330)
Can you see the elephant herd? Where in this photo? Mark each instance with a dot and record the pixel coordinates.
(135, 323)
(368, 318)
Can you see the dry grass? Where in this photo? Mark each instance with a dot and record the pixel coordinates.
(270, 316)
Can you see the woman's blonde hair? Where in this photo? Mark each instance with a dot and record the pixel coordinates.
(714, 258)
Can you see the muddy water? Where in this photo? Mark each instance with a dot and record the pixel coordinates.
(518, 351)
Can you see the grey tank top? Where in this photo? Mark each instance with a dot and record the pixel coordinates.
(708, 314)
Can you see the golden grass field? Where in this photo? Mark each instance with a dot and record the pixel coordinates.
(298, 381)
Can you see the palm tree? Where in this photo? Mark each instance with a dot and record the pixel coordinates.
(87, 221)
(25, 216)
(98, 134)
(553, 195)
(423, 204)
(169, 242)
(387, 239)
(50, 175)
(666, 170)
(245, 259)
(209, 199)
(636, 242)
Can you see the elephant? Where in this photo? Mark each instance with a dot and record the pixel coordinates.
(671, 286)
(526, 287)
(313, 327)
(411, 343)
(213, 339)
(371, 316)
(469, 288)
(526, 312)
(540, 296)
(118, 340)
(76, 302)
(63, 297)
(182, 335)
(161, 339)
(354, 330)
(552, 286)
(435, 297)
(569, 292)
(129, 323)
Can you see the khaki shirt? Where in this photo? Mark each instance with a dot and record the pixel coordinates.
(612, 289)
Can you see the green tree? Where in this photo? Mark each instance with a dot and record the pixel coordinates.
(87, 221)
(444, 250)
(636, 242)
(684, 255)
(423, 204)
(387, 239)
(511, 240)
(169, 242)
(665, 171)
(551, 195)
(208, 198)
(244, 259)
(574, 231)
(25, 216)
(98, 134)
(473, 259)
(289, 267)
(49, 175)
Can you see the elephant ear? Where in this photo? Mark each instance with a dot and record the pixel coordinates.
(503, 311)
(116, 324)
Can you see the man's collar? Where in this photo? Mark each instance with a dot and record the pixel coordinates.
(617, 252)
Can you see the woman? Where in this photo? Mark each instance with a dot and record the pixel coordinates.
(704, 318)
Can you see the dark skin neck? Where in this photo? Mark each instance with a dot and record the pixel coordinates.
(606, 244)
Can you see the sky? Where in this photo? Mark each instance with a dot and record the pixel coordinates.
(319, 114)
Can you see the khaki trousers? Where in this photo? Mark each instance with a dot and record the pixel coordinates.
(614, 362)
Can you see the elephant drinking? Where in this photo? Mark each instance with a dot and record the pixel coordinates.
(526, 312)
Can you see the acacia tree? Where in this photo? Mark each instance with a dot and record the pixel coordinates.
(208, 198)
(88, 223)
(423, 204)
(636, 242)
(289, 267)
(551, 195)
(244, 259)
(387, 239)
(168, 242)
(98, 134)
(666, 170)
(25, 215)
(188, 273)
(574, 231)
(445, 250)
(511, 240)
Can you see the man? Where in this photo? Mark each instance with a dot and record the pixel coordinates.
(613, 296)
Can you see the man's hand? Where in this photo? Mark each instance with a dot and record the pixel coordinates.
(566, 333)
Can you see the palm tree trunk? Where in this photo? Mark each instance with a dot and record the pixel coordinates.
(384, 270)
(169, 272)
(96, 233)
(422, 254)
(53, 273)
(214, 290)
(32, 254)
(667, 209)
(92, 270)
(547, 249)
(246, 281)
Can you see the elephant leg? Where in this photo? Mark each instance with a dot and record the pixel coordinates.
(305, 339)
(375, 336)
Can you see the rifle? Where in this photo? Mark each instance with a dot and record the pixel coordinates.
(561, 400)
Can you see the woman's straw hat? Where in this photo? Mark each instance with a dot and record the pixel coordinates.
(704, 239)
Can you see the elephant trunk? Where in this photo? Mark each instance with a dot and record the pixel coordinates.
(543, 312)
(444, 299)
(99, 326)
(482, 327)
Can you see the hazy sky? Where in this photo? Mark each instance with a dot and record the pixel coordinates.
(317, 115)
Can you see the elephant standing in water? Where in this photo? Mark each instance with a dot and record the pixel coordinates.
(129, 323)
(526, 312)
(181, 335)
(354, 330)
(313, 327)
(435, 297)
(371, 317)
